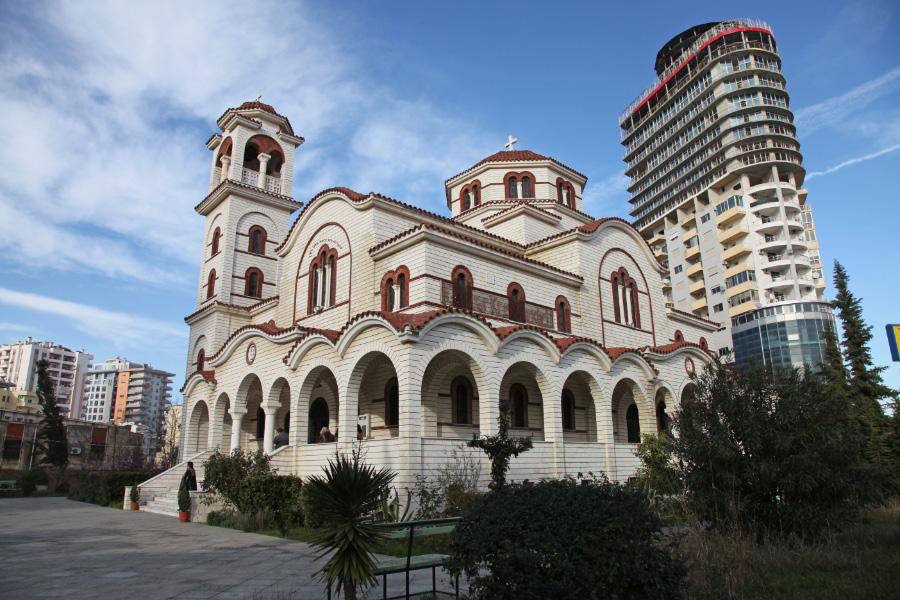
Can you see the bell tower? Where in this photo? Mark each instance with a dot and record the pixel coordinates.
(248, 213)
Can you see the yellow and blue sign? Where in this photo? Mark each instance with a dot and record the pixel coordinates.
(893, 332)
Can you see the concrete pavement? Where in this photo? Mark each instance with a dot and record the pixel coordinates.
(54, 547)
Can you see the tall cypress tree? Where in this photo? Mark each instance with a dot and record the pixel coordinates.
(53, 430)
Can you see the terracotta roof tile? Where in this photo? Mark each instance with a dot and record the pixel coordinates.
(699, 318)
(258, 106)
(515, 156)
(517, 205)
(225, 182)
(208, 377)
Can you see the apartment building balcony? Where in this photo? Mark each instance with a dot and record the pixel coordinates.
(692, 252)
(732, 214)
(667, 284)
(802, 261)
(733, 234)
(690, 233)
(691, 219)
(695, 269)
(778, 283)
(740, 288)
(743, 307)
(776, 262)
(661, 253)
(769, 224)
(697, 288)
(736, 251)
(764, 204)
(700, 305)
(657, 239)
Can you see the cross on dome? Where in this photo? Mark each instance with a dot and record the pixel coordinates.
(258, 96)
(510, 143)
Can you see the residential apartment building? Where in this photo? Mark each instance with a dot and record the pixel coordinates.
(120, 391)
(68, 368)
(716, 184)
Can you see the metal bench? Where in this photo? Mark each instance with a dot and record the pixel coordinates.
(410, 530)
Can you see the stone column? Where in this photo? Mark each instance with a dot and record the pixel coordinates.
(263, 162)
(226, 163)
(237, 416)
(269, 434)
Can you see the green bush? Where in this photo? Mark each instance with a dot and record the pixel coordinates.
(120, 505)
(221, 518)
(564, 540)
(256, 521)
(657, 471)
(28, 481)
(89, 488)
(277, 493)
(115, 482)
(224, 475)
(311, 509)
(63, 487)
(184, 500)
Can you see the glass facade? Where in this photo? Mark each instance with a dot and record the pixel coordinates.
(786, 335)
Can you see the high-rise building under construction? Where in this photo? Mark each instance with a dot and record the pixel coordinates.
(716, 184)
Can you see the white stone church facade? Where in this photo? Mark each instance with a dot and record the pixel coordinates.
(422, 324)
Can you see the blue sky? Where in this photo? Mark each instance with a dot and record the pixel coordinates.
(106, 105)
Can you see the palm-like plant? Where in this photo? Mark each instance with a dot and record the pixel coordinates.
(349, 494)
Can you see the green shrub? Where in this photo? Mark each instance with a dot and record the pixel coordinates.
(311, 509)
(63, 487)
(564, 540)
(115, 482)
(224, 475)
(120, 504)
(276, 493)
(221, 518)
(657, 471)
(184, 500)
(28, 481)
(256, 521)
(88, 488)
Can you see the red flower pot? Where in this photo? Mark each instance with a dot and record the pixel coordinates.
(184, 517)
(135, 506)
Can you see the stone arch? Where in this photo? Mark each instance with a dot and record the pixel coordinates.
(688, 392)
(197, 437)
(583, 423)
(625, 395)
(318, 382)
(278, 403)
(663, 406)
(221, 416)
(256, 218)
(451, 377)
(367, 387)
(525, 376)
(199, 344)
(249, 397)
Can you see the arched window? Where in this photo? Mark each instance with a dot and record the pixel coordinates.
(567, 196)
(662, 419)
(254, 283)
(679, 337)
(201, 359)
(389, 290)
(568, 410)
(314, 285)
(625, 299)
(332, 280)
(211, 284)
(401, 284)
(704, 344)
(462, 287)
(475, 199)
(559, 192)
(260, 423)
(467, 197)
(564, 193)
(461, 401)
(513, 188)
(215, 241)
(633, 424)
(518, 403)
(257, 240)
(392, 403)
(516, 298)
(563, 315)
(526, 187)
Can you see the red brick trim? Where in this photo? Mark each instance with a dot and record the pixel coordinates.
(476, 188)
(643, 278)
(265, 144)
(211, 286)
(330, 257)
(516, 309)
(224, 150)
(567, 314)
(403, 300)
(302, 258)
(260, 279)
(216, 236)
(519, 177)
(561, 186)
(679, 337)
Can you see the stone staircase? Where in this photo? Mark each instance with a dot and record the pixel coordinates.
(160, 494)
(282, 460)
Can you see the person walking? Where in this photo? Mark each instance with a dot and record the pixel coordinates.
(189, 479)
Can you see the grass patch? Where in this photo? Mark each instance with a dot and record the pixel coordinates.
(114, 504)
(863, 561)
(429, 545)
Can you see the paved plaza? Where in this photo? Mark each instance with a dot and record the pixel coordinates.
(53, 547)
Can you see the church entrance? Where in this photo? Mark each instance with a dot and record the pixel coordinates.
(318, 418)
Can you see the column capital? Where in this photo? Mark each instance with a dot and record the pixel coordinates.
(264, 157)
(237, 413)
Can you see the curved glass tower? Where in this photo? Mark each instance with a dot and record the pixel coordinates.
(716, 184)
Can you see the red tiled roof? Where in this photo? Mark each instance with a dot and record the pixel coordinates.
(269, 328)
(699, 318)
(517, 205)
(472, 241)
(669, 348)
(249, 187)
(208, 377)
(261, 302)
(515, 156)
(258, 106)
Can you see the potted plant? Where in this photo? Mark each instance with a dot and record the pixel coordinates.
(135, 497)
(184, 505)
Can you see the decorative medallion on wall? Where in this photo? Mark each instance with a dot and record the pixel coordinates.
(251, 353)
(689, 365)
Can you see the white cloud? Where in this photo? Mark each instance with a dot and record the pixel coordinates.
(16, 328)
(607, 197)
(852, 161)
(103, 156)
(122, 329)
(835, 110)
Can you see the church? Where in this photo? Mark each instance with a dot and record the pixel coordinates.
(405, 329)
